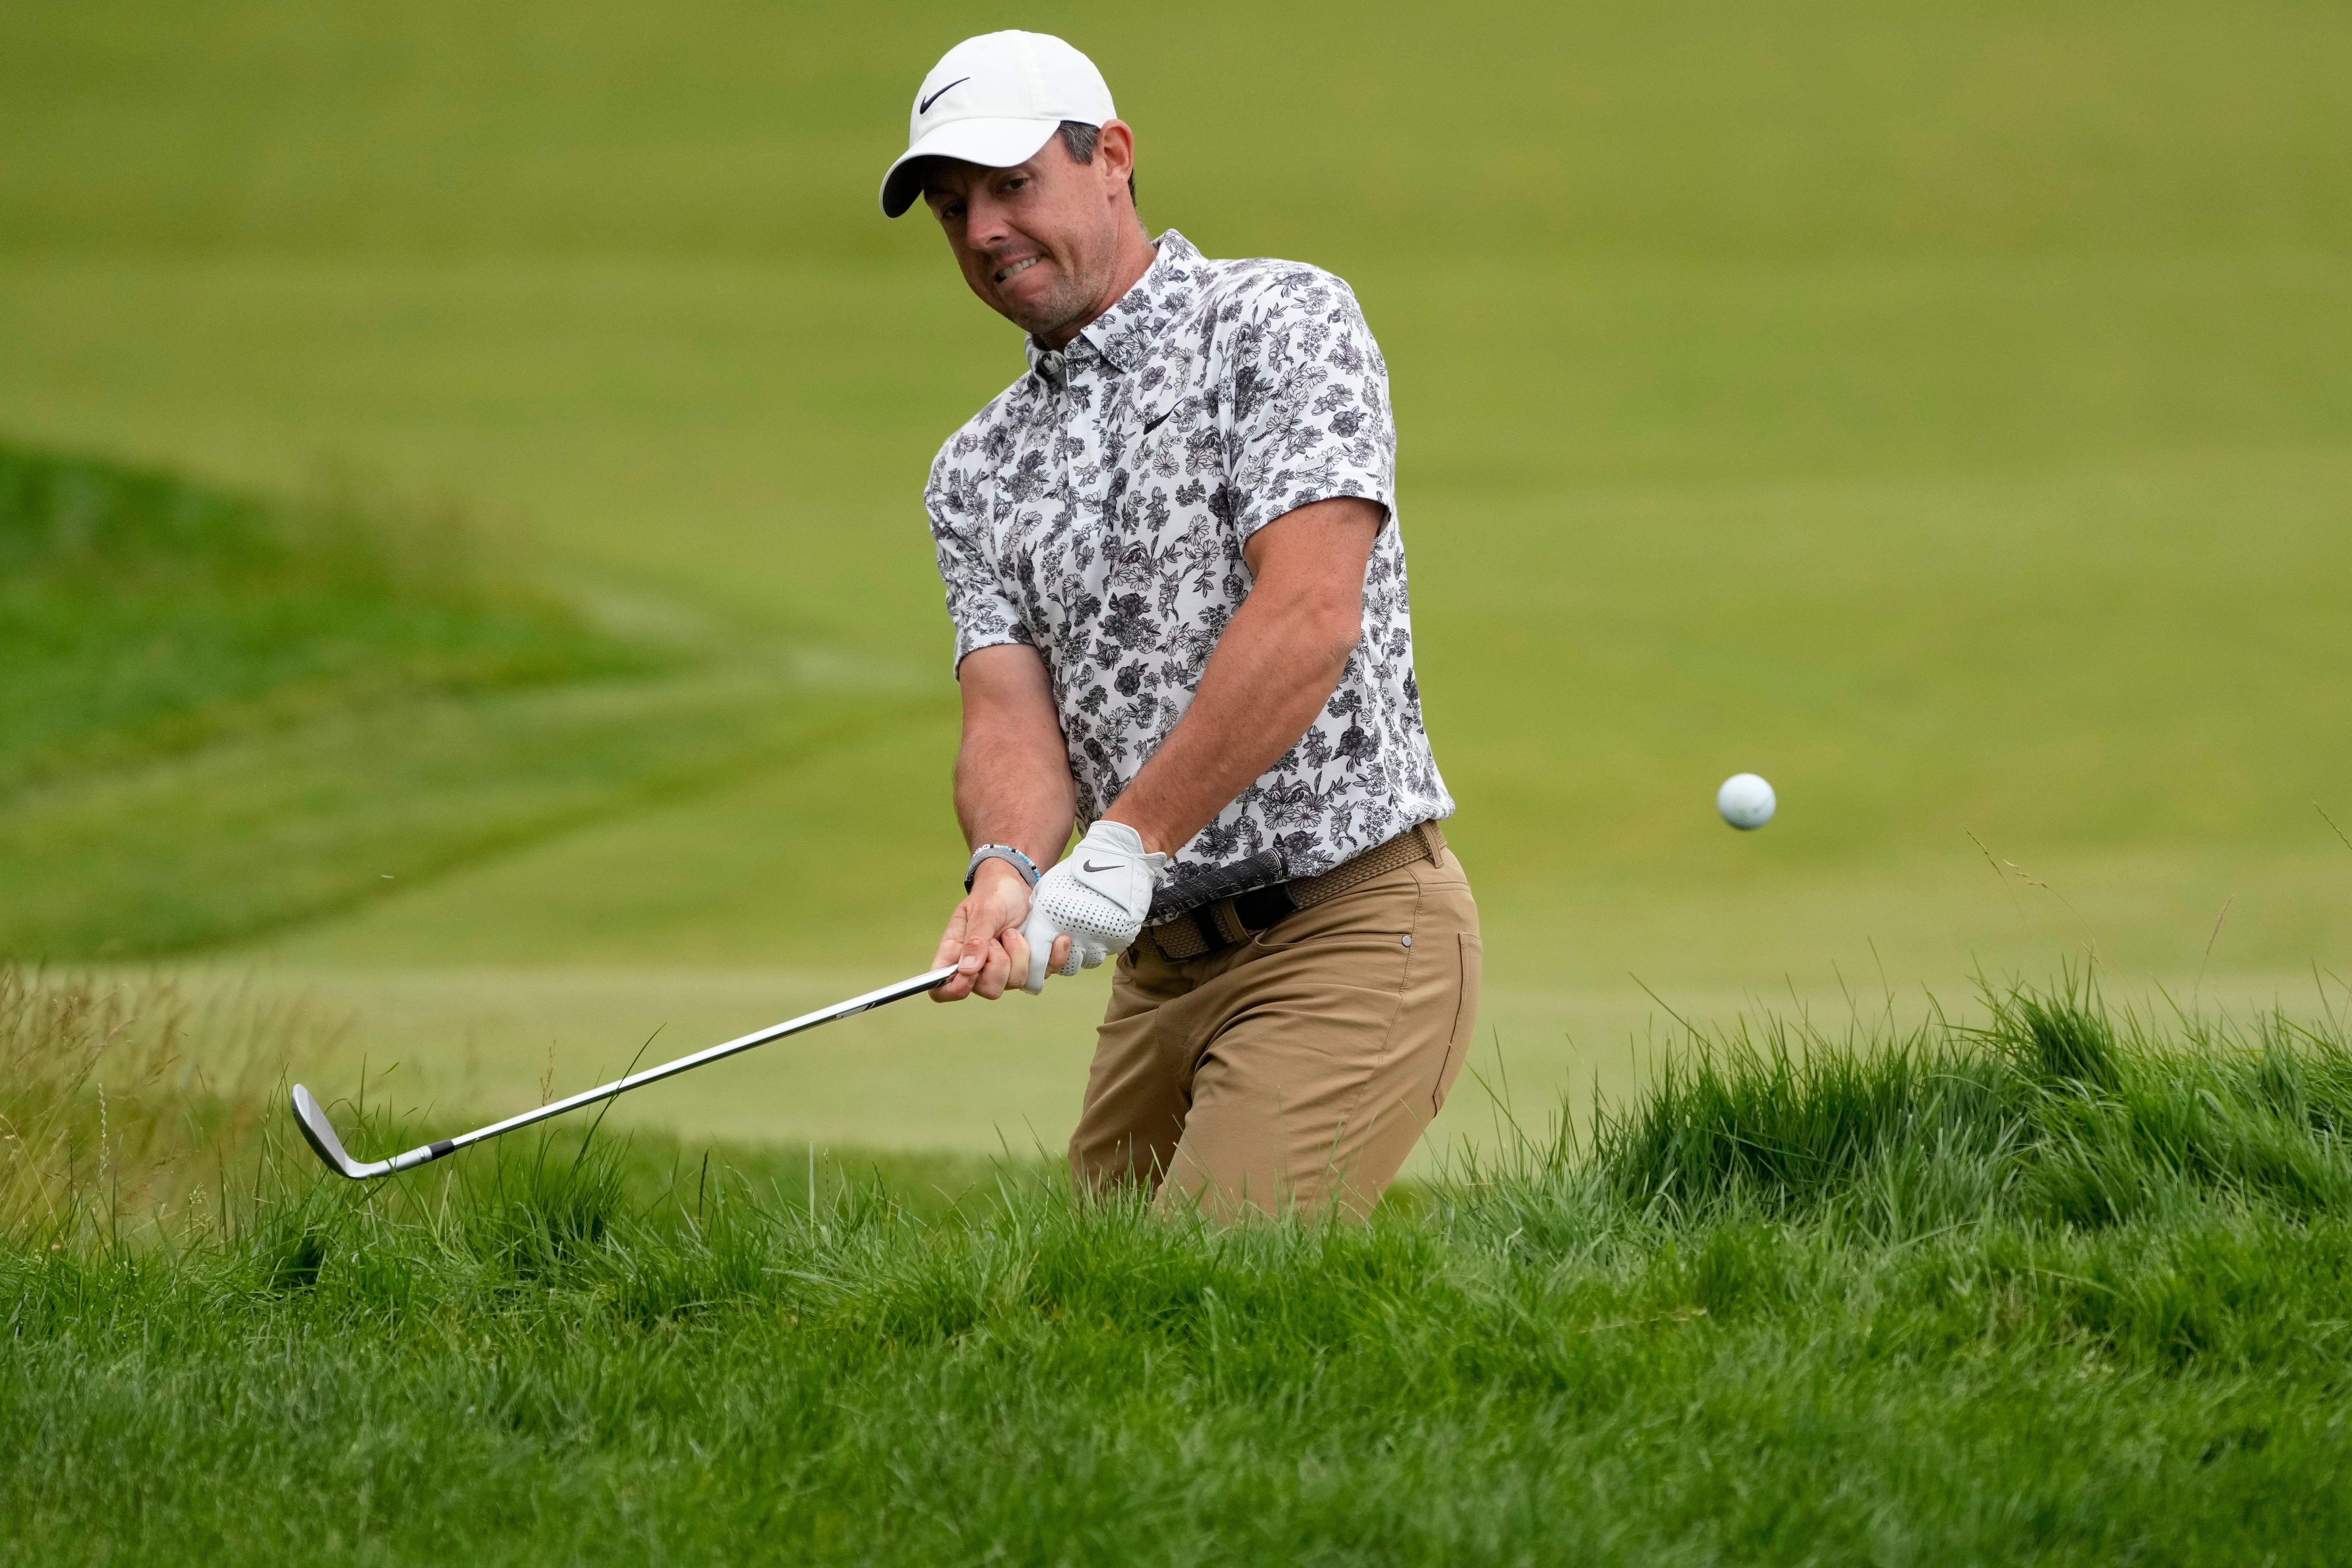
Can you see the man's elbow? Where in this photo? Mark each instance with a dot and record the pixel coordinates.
(1316, 626)
(1332, 635)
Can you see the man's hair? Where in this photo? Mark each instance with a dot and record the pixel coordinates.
(1078, 139)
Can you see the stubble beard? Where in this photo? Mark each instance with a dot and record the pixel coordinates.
(1070, 304)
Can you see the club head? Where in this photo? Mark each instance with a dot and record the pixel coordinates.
(320, 1133)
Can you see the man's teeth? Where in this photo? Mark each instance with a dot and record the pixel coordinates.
(1017, 269)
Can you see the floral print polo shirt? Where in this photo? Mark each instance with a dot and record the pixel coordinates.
(1096, 509)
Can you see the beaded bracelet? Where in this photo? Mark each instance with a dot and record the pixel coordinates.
(1020, 862)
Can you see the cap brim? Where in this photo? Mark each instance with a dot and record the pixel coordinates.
(992, 144)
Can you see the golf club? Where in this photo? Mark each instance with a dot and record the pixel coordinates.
(320, 1133)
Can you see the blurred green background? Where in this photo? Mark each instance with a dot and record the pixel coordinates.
(1942, 410)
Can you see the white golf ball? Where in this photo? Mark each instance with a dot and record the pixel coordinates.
(1746, 801)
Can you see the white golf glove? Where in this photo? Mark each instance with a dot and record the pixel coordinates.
(1097, 898)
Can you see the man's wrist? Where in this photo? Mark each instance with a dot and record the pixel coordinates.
(989, 872)
(1002, 854)
(1155, 840)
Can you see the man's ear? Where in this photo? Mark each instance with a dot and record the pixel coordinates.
(1115, 150)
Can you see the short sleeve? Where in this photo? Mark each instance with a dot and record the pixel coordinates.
(1310, 402)
(983, 616)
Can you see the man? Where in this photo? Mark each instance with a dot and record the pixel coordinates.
(1171, 558)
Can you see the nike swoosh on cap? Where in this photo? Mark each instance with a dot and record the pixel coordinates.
(925, 106)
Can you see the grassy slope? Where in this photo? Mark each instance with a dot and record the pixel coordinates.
(2067, 1291)
(223, 715)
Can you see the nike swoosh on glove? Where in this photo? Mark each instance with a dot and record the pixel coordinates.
(1096, 897)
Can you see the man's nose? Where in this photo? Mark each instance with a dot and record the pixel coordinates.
(985, 222)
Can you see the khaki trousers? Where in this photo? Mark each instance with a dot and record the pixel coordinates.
(1293, 1069)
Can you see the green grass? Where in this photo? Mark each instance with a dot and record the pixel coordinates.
(145, 615)
(1937, 409)
(2072, 1288)
(1938, 412)
(224, 715)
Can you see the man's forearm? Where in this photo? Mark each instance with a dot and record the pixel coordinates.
(1012, 781)
(1279, 660)
(1012, 786)
(1264, 687)
(1008, 790)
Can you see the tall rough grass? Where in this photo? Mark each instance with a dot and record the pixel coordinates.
(2058, 1111)
(125, 1100)
(2067, 1287)
(133, 1115)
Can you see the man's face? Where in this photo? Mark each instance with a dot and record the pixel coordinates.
(1041, 243)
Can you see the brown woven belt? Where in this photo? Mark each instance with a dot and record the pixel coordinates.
(1229, 920)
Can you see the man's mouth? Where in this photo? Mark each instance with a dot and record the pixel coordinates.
(1006, 273)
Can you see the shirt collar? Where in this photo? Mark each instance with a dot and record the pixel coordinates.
(1124, 334)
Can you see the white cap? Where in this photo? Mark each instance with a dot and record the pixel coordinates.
(995, 101)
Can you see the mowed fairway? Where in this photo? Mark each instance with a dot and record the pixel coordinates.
(1943, 411)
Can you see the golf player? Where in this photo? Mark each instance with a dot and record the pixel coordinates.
(1173, 561)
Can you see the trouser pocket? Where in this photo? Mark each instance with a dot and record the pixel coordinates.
(1472, 955)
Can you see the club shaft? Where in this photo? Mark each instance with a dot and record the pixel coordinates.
(912, 986)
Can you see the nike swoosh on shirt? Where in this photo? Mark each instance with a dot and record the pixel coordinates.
(1092, 867)
(925, 106)
(1156, 424)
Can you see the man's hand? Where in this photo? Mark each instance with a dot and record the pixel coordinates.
(983, 939)
(1091, 905)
